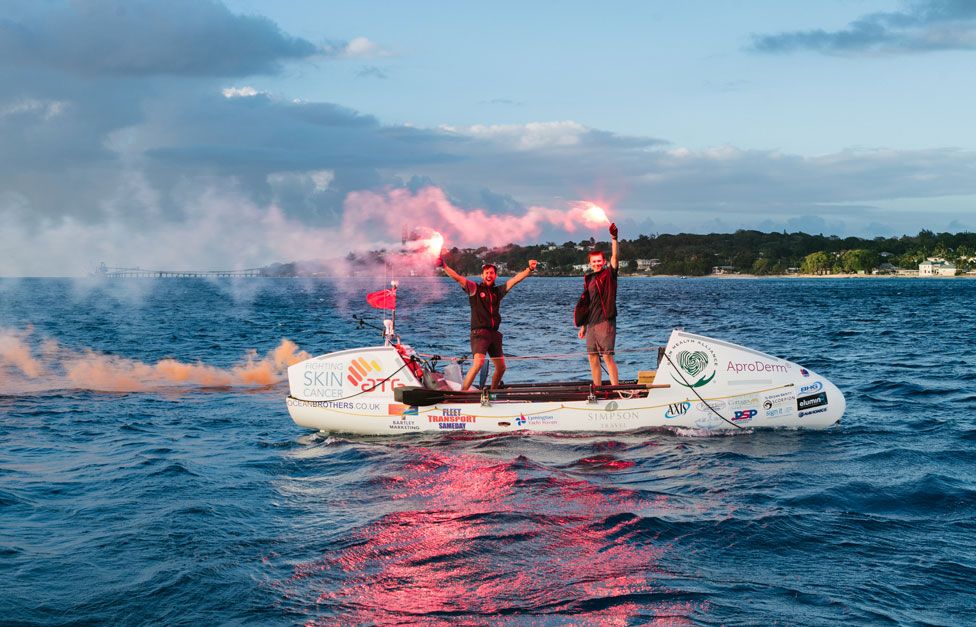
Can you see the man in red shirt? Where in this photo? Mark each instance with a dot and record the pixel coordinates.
(485, 298)
(600, 326)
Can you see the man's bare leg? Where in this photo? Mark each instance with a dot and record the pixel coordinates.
(595, 368)
(611, 369)
(477, 360)
(499, 366)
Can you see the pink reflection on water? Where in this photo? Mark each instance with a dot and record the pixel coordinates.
(489, 539)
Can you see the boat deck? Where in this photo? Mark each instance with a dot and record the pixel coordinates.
(554, 392)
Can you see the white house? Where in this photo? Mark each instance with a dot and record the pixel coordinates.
(646, 264)
(936, 267)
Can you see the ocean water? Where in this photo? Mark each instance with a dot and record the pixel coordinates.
(150, 474)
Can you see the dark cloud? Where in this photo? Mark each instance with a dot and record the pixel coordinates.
(143, 38)
(923, 27)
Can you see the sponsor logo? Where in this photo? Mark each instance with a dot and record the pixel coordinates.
(359, 368)
(744, 415)
(697, 360)
(816, 386)
(620, 415)
(755, 366)
(739, 403)
(320, 382)
(808, 402)
(778, 404)
(677, 409)
(610, 425)
(410, 411)
(812, 411)
(404, 425)
(358, 375)
(717, 405)
(804, 372)
(611, 412)
(373, 407)
(707, 421)
(452, 426)
(322, 379)
(535, 420)
(450, 415)
(396, 409)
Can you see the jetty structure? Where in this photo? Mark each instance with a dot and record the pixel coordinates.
(127, 273)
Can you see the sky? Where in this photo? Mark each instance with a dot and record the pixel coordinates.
(204, 134)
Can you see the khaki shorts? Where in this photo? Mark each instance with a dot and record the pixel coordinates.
(601, 337)
(486, 341)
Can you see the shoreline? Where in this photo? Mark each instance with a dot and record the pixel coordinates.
(730, 277)
(834, 276)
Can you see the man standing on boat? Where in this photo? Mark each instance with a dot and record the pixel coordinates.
(485, 298)
(599, 324)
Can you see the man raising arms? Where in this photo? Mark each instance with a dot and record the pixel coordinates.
(485, 298)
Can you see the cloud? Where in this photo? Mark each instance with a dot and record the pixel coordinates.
(527, 136)
(241, 92)
(204, 170)
(361, 48)
(503, 102)
(371, 71)
(144, 38)
(922, 27)
(45, 109)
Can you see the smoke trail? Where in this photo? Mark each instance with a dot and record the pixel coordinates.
(430, 207)
(58, 367)
(15, 354)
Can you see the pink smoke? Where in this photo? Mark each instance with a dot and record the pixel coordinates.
(398, 208)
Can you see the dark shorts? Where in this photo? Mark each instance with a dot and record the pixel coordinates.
(601, 337)
(486, 341)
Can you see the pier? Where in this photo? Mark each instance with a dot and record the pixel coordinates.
(129, 273)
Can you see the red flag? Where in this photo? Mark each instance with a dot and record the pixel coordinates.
(383, 299)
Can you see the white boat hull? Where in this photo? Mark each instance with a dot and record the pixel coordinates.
(712, 385)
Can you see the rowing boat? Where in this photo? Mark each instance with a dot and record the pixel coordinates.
(699, 382)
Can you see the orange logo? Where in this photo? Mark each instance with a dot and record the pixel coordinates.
(359, 368)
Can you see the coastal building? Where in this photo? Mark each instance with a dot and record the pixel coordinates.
(934, 266)
(723, 269)
(644, 265)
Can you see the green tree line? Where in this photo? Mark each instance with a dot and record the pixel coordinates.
(744, 251)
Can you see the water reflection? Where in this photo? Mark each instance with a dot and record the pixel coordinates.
(481, 539)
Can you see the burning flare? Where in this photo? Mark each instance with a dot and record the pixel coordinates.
(590, 214)
(435, 244)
